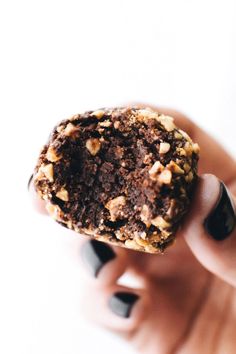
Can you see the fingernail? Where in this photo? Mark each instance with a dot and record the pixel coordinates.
(29, 182)
(96, 254)
(122, 303)
(222, 220)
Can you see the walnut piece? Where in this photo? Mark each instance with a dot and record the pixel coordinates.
(116, 124)
(133, 245)
(189, 177)
(178, 136)
(188, 147)
(167, 122)
(93, 145)
(155, 169)
(45, 171)
(181, 152)
(51, 155)
(53, 210)
(146, 113)
(105, 124)
(63, 195)
(70, 129)
(165, 177)
(196, 148)
(187, 167)
(115, 207)
(99, 113)
(147, 158)
(173, 167)
(145, 215)
(160, 222)
(164, 148)
(185, 135)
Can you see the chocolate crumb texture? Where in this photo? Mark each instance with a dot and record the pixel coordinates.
(123, 176)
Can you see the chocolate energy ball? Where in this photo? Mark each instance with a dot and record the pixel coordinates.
(122, 175)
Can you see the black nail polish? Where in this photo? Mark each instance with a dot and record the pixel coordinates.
(122, 303)
(29, 182)
(96, 254)
(222, 220)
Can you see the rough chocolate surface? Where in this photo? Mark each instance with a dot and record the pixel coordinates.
(122, 175)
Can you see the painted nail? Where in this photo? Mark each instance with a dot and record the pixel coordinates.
(222, 220)
(122, 303)
(96, 254)
(29, 182)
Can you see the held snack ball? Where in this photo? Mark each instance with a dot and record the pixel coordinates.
(121, 175)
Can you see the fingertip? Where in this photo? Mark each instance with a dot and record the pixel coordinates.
(118, 308)
(102, 262)
(210, 228)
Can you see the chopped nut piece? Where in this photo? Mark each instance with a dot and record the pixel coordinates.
(181, 152)
(53, 210)
(196, 148)
(93, 145)
(187, 167)
(115, 207)
(146, 113)
(172, 208)
(165, 177)
(165, 234)
(155, 237)
(63, 195)
(145, 215)
(120, 236)
(147, 158)
(133, 245)
(74, 117)
(70, 129)
(150, 249)
(167, 122)
(155, 169)
(105, 124)
(141, 242)
(99, 113)
(143, 235)
(47, 171)
(189, 177)
(178, 136)
(185, 135)
(188, 148)
(60, 128)
(116, 124)
(160, 222)
(51, 155)
(164, 148)
(173, 167)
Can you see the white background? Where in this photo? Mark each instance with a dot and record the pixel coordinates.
(62, 57)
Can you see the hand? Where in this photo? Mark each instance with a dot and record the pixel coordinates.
(187, 303)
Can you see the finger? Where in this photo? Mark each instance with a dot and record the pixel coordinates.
(117, 308)
(103, 262)
(210, 228)
(212, 154)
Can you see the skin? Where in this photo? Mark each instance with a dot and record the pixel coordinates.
(187, 298)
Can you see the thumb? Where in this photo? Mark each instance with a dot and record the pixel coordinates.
(210, 229)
